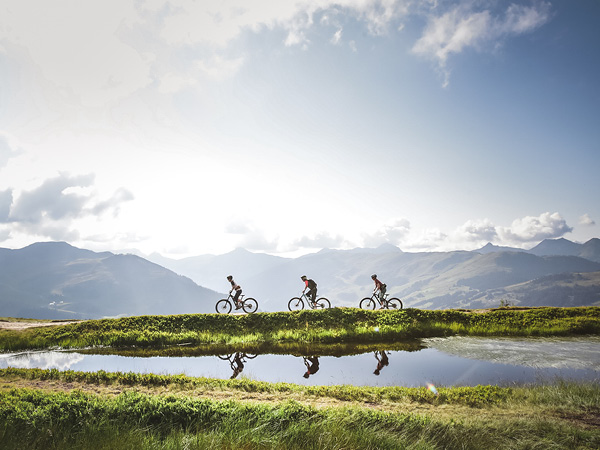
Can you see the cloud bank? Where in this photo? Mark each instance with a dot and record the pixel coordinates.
(51, 209)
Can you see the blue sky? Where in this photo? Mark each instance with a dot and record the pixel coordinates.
(287, 126)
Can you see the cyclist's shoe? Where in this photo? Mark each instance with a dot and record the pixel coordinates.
(238, 306)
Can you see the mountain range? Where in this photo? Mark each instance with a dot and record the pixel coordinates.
(474, 279)
(54, 280)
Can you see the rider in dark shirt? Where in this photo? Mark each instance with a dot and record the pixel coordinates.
(312, 288)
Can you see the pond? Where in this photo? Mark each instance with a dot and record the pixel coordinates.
(452, 361)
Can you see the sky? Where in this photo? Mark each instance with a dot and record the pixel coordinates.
(284, 127)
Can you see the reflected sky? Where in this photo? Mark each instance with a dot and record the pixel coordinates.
(454, 361)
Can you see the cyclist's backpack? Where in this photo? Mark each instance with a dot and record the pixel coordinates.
(312, 284)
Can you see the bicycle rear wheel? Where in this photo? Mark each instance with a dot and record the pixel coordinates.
(322, 303)
(223, 306)
(250, 305)
(295, 304)
(367, 303)
(394, 303)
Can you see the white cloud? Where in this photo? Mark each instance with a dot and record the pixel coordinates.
(477, 230)
(321, 240)
(75, 46)
(219, 67)
(533, 229)
(251, 237)
(461, 28)
(337, 37)
(51, 209)
(8, 148)
(586, 220)
(392, 232)
(5, 204)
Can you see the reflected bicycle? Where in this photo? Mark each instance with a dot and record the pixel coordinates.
(297, 303)
(372, 302)
(224, 306)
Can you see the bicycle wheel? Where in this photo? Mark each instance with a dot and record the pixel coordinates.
(295, 304)
(223, 306)
(367, 303)
(250, 305)
(394, 303)
(249, 356)
(224, 357)
(322, 303)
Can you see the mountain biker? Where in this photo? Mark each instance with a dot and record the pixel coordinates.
(379, 286)
(312, 288)
(238, 291)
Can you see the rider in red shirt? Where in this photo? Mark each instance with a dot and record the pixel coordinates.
(311, 286)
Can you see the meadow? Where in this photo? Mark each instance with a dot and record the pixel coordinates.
(53, 409)
(331, 326)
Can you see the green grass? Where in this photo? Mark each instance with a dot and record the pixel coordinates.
(337, 325)
(467, 395)
(548, 417)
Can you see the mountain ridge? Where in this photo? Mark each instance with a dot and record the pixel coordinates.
(55, 280)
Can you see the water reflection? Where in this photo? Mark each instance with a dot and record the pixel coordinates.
(441, 362)
(41, 360)
(237, 361)
(382, 361)
(312, 365)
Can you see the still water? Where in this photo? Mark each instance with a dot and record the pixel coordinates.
(453, 361)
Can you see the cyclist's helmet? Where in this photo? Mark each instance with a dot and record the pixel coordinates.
(303, 277)
(374, 276)
(229, 277)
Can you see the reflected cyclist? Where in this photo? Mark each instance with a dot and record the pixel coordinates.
(382, 361)
(312, 366)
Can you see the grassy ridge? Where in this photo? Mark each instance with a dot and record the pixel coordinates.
(326, 326)
(561, 416)
(465, 395)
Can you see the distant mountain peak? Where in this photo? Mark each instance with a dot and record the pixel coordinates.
(386, 247)
(559, 246)
(491, 248)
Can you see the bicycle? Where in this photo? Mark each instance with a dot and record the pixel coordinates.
(372, 302)
(231, 357)
(224, 306)
(297, 303)
(236, 362)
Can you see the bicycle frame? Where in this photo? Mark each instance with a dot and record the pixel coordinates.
(310, 303)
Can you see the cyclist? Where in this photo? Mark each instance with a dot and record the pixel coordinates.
(379, 286)
(309, 284)
(238, 291)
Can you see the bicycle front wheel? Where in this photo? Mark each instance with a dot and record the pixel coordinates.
(367, 303)
(250, 305)
(295, 304)
(394, 303)
(223, 306)
(322, 303)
